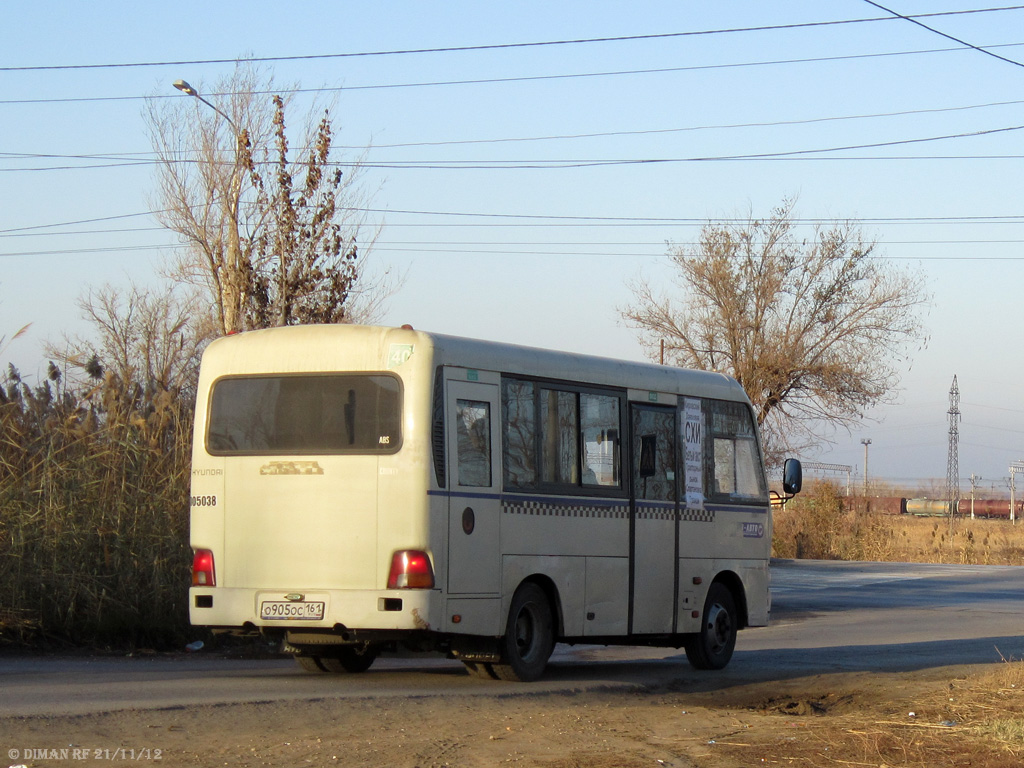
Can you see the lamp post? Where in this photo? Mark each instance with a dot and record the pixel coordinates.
(230, 284)
(866, 442)
(185, 88)
(1015, 467)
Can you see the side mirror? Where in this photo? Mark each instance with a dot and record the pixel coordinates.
(792, 477)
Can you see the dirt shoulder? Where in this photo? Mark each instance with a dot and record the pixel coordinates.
(951, 716)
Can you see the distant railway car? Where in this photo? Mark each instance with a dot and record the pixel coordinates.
(927, 507)
(993, 508)
(887, 505)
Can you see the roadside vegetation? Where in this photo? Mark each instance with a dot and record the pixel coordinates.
(809, 320)
(824, 524)
(962, 719)
(93, 512)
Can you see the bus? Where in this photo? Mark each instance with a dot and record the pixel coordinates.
(358, 490)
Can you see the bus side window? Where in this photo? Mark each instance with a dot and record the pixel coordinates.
(473, 424)
(735, 463)
(520, 433)
(725, 466)
(559, 438)
(559, 419)
(599, 427)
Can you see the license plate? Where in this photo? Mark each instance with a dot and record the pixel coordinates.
(287, 610)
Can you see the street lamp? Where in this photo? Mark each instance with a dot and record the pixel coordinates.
(231, 287)
(866, 442)
(187, 89)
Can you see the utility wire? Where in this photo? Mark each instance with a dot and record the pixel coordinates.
(689, 129)
(134, 157)
(530, 78)
(914, 20)
(563, 164)
(506, 46)
(450, 250)
(556, 219)
(80, 221)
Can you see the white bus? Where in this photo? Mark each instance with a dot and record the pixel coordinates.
(361, 489)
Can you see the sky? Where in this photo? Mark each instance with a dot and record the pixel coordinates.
(520, 188)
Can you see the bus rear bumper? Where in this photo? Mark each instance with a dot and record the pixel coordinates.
(250, 610)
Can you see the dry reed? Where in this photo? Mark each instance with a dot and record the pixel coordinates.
(93, 512)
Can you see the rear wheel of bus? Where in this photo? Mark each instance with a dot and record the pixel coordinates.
(529, 636)
(345, 659)
(712, 647)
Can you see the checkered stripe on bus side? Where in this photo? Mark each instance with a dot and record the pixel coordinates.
(553, 508)
(665, 512)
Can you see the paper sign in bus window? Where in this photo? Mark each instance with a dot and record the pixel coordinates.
(693, 452)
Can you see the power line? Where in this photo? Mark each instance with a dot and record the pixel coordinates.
(687, 129)
(913, 20)
(505, 46)
(562, 164)
(453, 249)
(700, 221)
(79, 221)
(534, 243)
(558, 165)
(608, 225)
(558, 219)
(134, 157)
(519, 79)
(642, 161)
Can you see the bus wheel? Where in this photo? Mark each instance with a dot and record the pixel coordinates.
(712, 647)
(310, 664)
(529, 636)
(480, 669)
(350, 658)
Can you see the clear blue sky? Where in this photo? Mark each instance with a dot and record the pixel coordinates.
(951, 207)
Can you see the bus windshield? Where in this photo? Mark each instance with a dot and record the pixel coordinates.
(305, 414)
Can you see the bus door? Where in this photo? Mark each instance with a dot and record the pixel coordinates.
(653, 555)
(474, 506)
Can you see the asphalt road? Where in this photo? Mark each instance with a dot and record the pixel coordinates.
(827, 617)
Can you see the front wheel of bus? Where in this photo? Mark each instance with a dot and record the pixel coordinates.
(712, 647)
(529, 636)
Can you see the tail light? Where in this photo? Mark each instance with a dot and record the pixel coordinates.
(410, 569)
(202, 569)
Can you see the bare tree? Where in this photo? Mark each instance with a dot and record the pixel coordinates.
(812, 329)
(152, 339)
(212, 192)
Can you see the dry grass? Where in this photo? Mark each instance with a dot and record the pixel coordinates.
(822, 525)
(973, 721)
(93, 512)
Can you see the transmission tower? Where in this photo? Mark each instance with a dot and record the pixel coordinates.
(953, 462)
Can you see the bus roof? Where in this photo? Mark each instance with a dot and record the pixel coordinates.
(260, 351)
(591, 369)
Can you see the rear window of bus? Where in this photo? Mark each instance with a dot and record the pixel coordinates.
(305, 414)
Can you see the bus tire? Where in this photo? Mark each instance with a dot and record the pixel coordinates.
(310, 664)
(350, 658)
(712, 647)
(480, 669)
(529, 636)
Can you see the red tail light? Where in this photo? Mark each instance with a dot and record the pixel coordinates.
(202, 569)
(411, 569)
